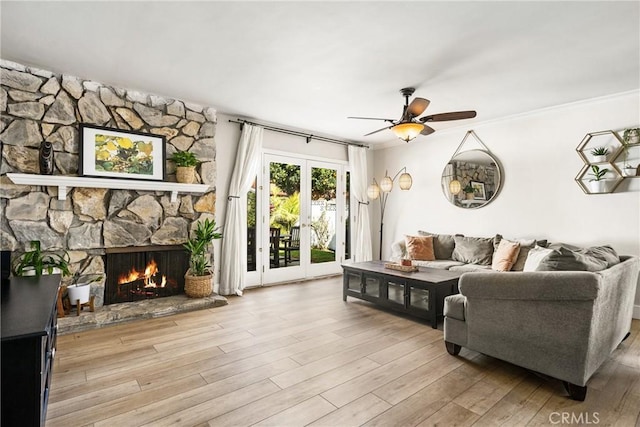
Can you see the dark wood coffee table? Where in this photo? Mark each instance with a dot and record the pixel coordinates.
(419, 293)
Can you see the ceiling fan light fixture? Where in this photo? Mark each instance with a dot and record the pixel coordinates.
(407, 131)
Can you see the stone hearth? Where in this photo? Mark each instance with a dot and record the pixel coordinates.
(138, 310)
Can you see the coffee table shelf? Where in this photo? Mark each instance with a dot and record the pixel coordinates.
(420, 293)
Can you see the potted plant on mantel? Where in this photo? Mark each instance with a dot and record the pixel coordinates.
(198, 279)
(36, 262)
(186, 163)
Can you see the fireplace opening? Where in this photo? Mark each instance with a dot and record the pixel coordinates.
(137, 273)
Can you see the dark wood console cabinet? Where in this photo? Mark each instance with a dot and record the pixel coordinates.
(419, 293)
(29, 326)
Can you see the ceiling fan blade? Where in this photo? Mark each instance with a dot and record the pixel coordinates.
(417, 107)
(371, 118)
(443, 117)
(427, 130)
(379, 130)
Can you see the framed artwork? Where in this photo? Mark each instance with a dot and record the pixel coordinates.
(478, 190)
(115, 153)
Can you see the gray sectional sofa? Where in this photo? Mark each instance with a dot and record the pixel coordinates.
(564, 319)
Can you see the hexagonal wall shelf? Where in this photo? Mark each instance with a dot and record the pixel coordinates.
(613, 143)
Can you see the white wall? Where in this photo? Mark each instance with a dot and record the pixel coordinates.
(539, 197)
(227, 137)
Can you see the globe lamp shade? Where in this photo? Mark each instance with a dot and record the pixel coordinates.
(373, 191)
(455, 187)
(405, 181)
(386, 184)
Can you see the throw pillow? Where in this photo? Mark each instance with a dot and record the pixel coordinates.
(506, 255)
(443, 244)
(535, 256)
(420, 248)
(473, 250)
(565, 257)
(605, 253)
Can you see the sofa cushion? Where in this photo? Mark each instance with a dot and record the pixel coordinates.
(468, 268)
(420, 247)
(443, 244)
(535, 257)
(571, 258)
(473, 250)
(505, 255)
(440, 264)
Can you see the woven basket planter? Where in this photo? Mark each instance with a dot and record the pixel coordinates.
(198, 286)
(185, 174)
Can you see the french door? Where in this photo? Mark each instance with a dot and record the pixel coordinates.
(297, 220)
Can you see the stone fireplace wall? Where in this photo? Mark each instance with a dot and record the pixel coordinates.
(38, 105)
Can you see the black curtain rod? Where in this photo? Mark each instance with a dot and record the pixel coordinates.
(307, 136)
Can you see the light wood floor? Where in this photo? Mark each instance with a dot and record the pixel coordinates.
(298, 355)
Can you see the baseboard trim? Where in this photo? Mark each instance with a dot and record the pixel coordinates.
(636, 311)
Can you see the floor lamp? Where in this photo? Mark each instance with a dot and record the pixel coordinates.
(382, 191)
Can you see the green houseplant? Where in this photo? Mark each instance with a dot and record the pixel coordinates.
(630, 137)
(469, 191)
(197, 280)
(36, 262)
(79, 291)
(597, 183)
(186, 163)
(600, 154)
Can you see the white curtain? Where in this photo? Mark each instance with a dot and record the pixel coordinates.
(234, 242)
(361, 245)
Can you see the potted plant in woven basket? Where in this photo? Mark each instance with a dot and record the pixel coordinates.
(186, 163)
(198, 279)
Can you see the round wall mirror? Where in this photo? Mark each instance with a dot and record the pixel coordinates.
(471, 179)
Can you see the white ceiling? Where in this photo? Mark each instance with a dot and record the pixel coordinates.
(309, 65)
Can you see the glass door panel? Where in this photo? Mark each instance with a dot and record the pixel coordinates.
(283, 228)
(347, 216)
(372, 286)
(395, 292)
(419, 298)
(252, 219)
(323, 215)
(325, 218)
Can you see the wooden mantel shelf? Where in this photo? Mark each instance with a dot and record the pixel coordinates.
(64, 182)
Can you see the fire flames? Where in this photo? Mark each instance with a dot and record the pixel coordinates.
(148, 276)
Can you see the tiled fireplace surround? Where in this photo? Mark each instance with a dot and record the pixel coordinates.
(39, 105)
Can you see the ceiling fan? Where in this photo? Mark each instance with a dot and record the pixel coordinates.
(410, 125)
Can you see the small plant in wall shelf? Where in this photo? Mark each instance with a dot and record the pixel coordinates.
(600, 154)
(630, 137)
(597, 183)
(186, 163)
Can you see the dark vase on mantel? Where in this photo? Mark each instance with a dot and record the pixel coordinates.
(45, 158)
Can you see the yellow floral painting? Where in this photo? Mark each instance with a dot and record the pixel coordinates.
(122, 155)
